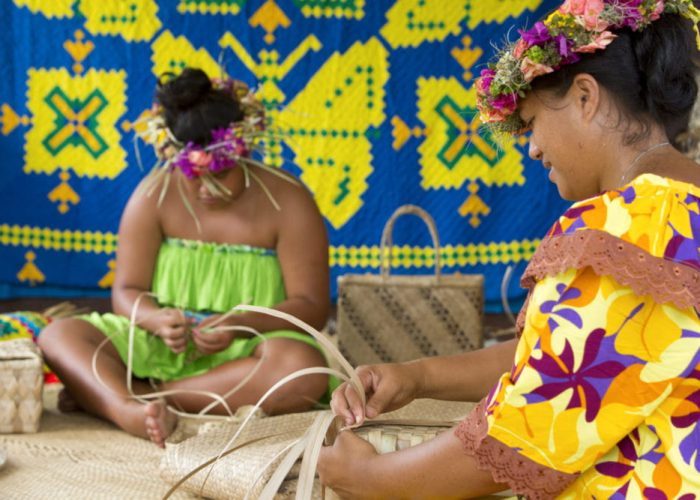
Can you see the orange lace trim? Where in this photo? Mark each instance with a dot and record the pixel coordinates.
(665, 280)
(524, 476)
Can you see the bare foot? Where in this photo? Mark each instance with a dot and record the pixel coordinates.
(159, 422)
(66, 402)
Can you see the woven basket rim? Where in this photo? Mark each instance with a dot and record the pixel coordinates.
(448, 280)
(19, 349)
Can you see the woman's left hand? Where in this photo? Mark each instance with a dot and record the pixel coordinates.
(208, 339)
(347, 467)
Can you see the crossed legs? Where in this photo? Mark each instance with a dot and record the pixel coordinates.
(69, 346)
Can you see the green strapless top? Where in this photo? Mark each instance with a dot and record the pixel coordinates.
(203, 276)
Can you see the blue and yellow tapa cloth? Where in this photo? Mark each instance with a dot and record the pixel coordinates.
(375, 101)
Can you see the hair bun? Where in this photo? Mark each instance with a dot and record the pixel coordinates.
(185, 90)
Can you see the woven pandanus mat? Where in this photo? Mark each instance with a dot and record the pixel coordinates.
(235, 474)
(78, 456)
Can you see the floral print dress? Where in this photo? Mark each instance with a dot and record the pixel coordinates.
(603, 399)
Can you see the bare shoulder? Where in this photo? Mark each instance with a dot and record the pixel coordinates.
(679, 167)
(142, 209)
(141, 200)
(290, 193)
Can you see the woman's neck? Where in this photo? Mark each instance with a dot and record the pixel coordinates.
(628, 162)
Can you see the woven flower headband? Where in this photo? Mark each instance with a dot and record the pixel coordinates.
(230, 147)
(577, 27)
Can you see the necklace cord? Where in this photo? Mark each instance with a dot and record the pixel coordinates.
(640, 156)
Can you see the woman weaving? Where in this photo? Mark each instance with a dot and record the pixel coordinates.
(600, 395)
(209, 229)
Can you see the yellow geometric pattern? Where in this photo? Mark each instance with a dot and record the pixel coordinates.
(30, 272)
(270, 70)
(413, 22)
(497, 11)
(78, 50)
(58, 239)
(353, 256)
(50, 8)
(504, 252)
(10, 119)
(269, 17)
(327, 126)
(63, 194)
(108, 279)
(356, 12)
(207, 7)
(74, 122)
(474, 207)
(467, 56)
(457, 150)
(131, 19)
(172, 54)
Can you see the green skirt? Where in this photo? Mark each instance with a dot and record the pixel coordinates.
(200, 278)
(152, 358)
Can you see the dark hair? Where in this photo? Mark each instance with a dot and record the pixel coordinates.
(650, 74)
(193, 108)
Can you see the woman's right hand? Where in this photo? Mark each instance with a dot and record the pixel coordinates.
(387, 387)
(172, 326)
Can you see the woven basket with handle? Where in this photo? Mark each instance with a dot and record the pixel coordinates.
(390, 318)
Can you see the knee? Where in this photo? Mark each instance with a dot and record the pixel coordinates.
(57, 332)
(301, 393)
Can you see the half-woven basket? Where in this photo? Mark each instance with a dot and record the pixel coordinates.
(248, 469)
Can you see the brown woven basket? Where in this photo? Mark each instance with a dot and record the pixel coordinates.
(386, 318)
(21, 384)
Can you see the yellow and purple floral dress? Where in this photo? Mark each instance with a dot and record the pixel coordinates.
(603, 399)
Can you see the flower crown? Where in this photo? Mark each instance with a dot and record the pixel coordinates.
(229, 146)
(577, 27)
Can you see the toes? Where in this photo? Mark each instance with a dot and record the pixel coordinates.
(159, 423)
(152, 410)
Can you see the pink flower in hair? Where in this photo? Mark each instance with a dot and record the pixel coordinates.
(520, 47)
(531, 69)
(598, 43)
(591, 15)
(494, 115)
(575, 7)
(658, 10)
(199, 158)
(483, 83)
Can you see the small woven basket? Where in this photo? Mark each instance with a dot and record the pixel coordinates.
(21, 385)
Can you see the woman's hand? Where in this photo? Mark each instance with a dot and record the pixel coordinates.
(209, 339)
(347, 466)
(172, 326)
(387, 387)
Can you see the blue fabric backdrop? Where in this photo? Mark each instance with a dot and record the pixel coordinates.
(375, 98)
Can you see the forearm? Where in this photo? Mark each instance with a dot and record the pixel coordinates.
(123, 302)
(438, 468)
(463, 377)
